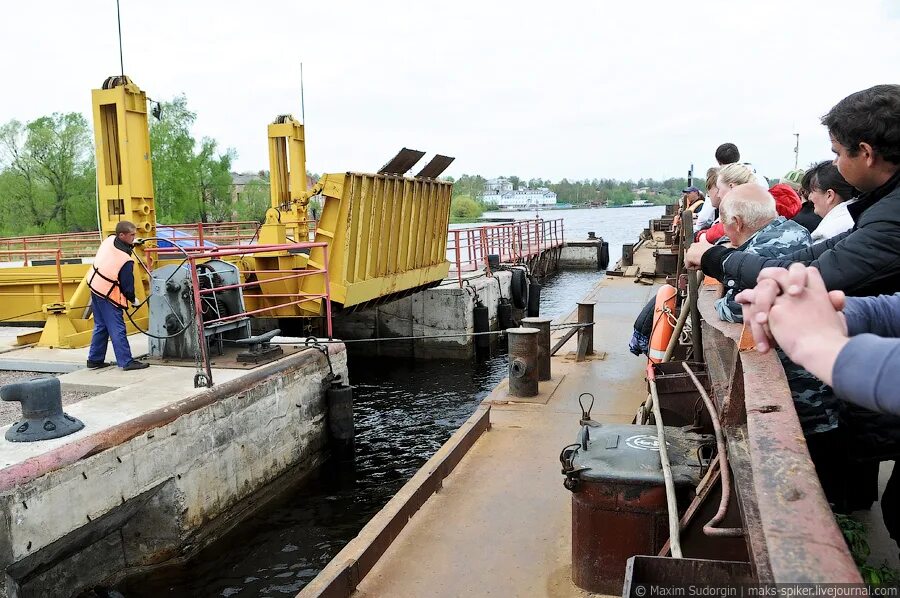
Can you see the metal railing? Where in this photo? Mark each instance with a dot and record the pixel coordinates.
(70, 244)
(257, 278)
(790, 529)
(79, 245)
(468, 248)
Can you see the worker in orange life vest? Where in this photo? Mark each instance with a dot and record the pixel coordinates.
(111, 280)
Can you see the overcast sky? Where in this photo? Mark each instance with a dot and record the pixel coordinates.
(536, 89)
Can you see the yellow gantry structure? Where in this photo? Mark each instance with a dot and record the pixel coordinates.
(125, 192)
(386, 234)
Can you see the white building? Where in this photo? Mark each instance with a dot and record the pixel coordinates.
(500, 191)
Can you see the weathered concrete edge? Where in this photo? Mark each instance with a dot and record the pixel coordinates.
(32, 468)
(802, 540)
(347, 569)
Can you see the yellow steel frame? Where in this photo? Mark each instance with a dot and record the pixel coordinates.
(385, 234)
(125, 192)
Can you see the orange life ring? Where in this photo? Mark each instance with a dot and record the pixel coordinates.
(663, 323)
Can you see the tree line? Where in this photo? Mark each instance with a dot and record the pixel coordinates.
(468, 189)
(48, 178)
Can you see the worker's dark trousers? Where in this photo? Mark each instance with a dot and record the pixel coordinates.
(108, 324)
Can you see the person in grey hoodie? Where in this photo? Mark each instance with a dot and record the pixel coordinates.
(850, 343)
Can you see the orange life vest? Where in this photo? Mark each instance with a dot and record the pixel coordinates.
(103, 275)
(663, 318)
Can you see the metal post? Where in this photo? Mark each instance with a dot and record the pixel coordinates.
(458, 264)
(523, 367)
(687, 223)
(59, 282)
(585, 334)
(543, 348)
(627, 254)
(201, 332)
(327, 291)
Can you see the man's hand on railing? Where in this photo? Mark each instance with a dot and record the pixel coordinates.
(794, 309)
(694, 254)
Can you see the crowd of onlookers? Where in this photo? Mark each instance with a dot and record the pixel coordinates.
(812, 265)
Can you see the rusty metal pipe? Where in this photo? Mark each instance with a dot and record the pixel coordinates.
(710, 528)
(671, 502)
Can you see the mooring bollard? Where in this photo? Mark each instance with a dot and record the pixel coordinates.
(586, 333)
(523, 367)
(543, 344)
(627, 254)
(42, 412)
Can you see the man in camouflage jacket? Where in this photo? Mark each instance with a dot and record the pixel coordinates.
(753, 226)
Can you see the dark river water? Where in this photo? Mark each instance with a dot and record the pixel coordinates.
(404, 411)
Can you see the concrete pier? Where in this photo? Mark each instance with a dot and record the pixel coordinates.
(581, 255)
(442, 310)
(159, 470)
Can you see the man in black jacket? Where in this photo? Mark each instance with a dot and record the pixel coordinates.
(865, 137)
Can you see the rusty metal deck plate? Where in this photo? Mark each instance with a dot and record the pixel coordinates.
(402, 162)
(435, 167)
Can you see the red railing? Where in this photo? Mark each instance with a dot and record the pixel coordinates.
(85, 244)
(468, 248)
(197, 253)
(71, 244)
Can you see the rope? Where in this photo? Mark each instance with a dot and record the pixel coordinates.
(35, 312)
(431, 336)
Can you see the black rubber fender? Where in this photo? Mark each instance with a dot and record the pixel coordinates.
(604, 255)
(519, 286)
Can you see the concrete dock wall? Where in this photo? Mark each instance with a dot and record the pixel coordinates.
(581, 255)
(445, 309)
(180, 474)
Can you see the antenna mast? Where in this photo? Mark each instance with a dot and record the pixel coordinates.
(119, 19)
(302, 104)
(796, 149)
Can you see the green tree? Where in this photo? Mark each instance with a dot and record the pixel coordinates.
(191, 184)
(47, 175)
(464, 207)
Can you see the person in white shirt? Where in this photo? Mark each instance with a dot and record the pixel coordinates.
(830, 193)
(709, 212)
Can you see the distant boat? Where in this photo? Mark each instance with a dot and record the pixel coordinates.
(639, 203)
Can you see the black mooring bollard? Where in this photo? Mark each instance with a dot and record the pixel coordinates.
(42, 412)
(523, 364)
(543, 348)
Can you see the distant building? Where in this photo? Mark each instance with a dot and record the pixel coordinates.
(501, 185)
(239, 180)
(500, 191)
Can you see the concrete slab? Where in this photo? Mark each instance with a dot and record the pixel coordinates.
(135, 393)
(501, 524)
(47, 359)
(8, 336)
